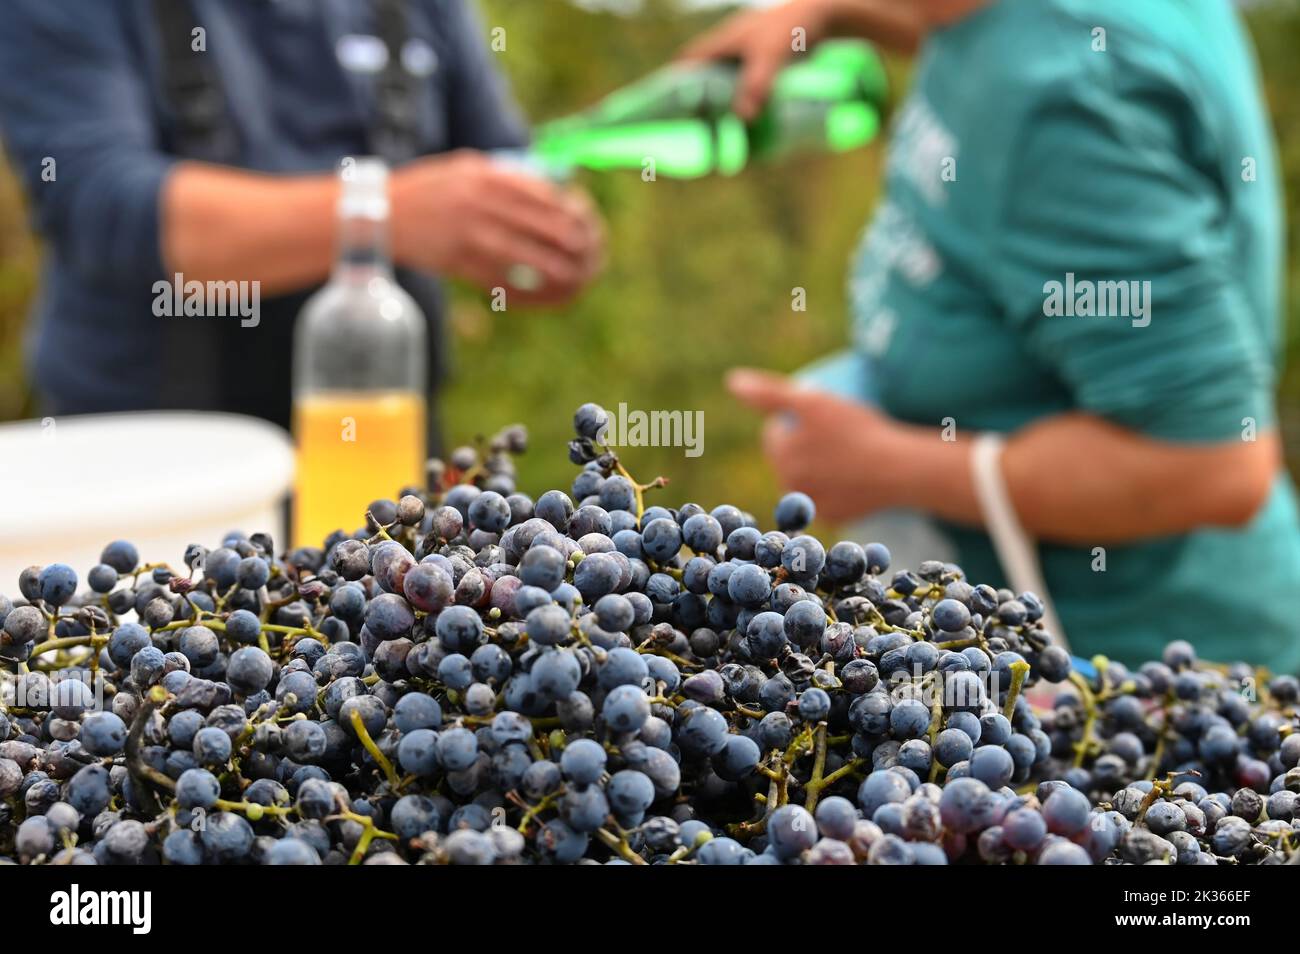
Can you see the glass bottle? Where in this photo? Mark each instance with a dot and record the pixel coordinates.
(358, 372)
(828, 100)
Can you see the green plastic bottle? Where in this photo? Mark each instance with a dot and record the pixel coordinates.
(680, 116)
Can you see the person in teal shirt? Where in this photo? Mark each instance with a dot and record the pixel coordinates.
(1079, 247)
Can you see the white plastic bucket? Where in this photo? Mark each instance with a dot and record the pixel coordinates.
(160, 479)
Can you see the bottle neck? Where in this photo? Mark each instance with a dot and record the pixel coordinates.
(362, 249)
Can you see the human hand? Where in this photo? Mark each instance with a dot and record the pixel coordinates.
(763, 41)
(839, 452)
(465, 215)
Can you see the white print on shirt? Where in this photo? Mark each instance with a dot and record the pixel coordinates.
(893, 244)
(920, 148)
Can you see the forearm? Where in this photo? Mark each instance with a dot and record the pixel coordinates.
(887, 22)
(1077, 479)
(220, 223)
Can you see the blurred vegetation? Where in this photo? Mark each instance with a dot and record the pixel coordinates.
(18, 272)
(700, 273)
(699, 277)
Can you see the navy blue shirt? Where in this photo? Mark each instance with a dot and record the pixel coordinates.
(84, 118)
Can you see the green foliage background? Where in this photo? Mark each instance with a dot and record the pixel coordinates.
(700, 273)
(699, 277)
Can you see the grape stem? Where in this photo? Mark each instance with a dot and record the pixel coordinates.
(253, 810)
(368, 831)
(815, 782)
(1089, 723)
(620, 846)
(776, 785)
(684, 851)
(382, 534)
(142, 773)
(63, 642)
(1161, 737)
(359, 726)
(638, 488)
(533, 811)
(1092, 705)
(845, 770)
(1019, 670)
(936, 725)
(1158, 788)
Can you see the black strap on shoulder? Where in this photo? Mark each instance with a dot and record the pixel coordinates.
(394, 134)
(190, 373)
(205, 129)
(192, 88)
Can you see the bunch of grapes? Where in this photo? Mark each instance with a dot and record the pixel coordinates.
(479, 677)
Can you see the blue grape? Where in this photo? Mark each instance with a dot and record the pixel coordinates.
(794, 511)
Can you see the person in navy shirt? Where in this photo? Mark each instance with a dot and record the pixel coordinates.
(203, 138)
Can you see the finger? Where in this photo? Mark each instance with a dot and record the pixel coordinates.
(583, 207)
(756, 78)
(515, 191)
(597, 251)
(719, 43)
(502, 251)
(765, 391)
(784, 449)
(776, 440)
(557, 226)
(524, 186)
(488, 277)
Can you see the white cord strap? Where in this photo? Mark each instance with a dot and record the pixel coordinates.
(1015, 550)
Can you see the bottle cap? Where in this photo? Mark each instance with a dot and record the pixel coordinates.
(365, 188)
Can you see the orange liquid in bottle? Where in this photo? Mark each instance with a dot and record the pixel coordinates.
(353, 448)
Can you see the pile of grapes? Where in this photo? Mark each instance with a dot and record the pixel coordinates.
(477, 677)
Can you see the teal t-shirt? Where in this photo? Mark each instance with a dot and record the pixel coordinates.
(1082, 213)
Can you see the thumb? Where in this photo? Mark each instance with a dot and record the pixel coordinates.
(765, 391)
